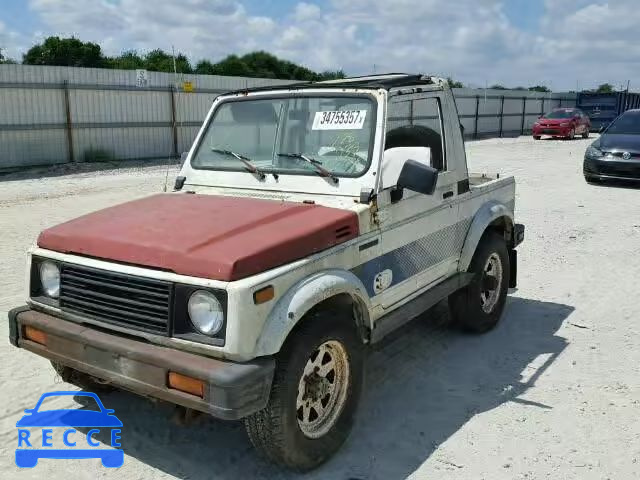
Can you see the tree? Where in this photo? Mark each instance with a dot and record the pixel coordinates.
(232, 66)
(264, 65)
(605, 88)
(454, 84)
(5, 60)
(539, 88)
(160, 61)
(332, 75)
(497, 86)
(75, 53)
(68, 52)
(128, 60)
(204, 67)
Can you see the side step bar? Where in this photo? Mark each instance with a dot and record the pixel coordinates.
(419, 305)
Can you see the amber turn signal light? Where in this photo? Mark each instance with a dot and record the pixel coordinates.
(263, 295)
(35, 335)
(185, 384)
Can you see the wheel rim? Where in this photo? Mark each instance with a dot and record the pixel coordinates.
(491, 283)
(322, 389)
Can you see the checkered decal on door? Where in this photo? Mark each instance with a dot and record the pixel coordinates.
(415, 257)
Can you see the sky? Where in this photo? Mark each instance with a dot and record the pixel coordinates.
(562, 44)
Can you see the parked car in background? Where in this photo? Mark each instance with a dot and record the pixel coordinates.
(562, 122)
(616, 154)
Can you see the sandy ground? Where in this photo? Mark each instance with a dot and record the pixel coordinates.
(553, 392)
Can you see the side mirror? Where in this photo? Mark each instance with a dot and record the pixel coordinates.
(394, 159)
(418, 177)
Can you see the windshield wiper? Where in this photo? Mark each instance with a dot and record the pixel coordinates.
(323, 172)
(247, 162)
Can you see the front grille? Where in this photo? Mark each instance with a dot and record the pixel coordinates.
(119, 299)
(616, 169)
(620, 154)
(622, 170)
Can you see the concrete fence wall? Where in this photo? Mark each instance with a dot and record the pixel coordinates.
(503, 113)
(53, 115)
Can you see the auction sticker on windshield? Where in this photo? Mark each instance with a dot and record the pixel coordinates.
(339, 120)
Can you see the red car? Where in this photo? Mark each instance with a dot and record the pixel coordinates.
(562, 122)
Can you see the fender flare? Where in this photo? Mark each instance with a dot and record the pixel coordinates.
(487, 214)
(302, 297)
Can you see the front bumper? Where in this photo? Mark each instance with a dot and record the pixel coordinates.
(232, 390)
(552, 131)
(607, 169)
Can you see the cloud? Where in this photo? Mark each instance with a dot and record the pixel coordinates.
(306, 11)
(471, 40)
(12, 43)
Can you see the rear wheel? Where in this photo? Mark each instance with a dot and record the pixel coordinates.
(314, 395)
(477, 308)
(585, 133)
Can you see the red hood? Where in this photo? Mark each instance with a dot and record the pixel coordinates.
(221, 238)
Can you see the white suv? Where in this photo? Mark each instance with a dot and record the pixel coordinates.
(307, 222)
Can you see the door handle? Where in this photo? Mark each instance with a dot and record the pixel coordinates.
(447, 194)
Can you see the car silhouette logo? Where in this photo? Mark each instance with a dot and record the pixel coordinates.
(68, 418)
(626, 155)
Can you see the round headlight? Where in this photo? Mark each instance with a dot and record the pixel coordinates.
(205, 312)
(50, 279)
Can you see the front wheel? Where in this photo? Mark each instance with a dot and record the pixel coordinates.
(477, 308)
(572, 134)
(314, 395)
(537, 137)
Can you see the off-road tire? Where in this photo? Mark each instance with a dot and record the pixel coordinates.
(465, 306)
(275, 430)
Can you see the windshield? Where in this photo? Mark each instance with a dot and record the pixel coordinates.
(276, 135)
(626, 124)
(560, 114)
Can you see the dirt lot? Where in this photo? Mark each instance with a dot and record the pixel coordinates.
(553, 392)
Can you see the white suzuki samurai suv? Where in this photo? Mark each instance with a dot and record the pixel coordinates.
(308, 221)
